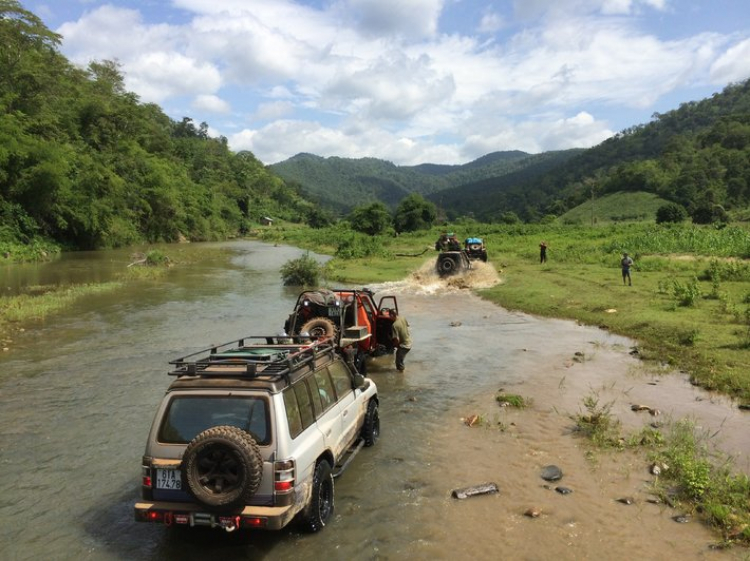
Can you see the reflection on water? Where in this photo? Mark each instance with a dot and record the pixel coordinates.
(79, 395)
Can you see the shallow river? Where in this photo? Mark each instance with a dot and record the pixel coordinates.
(78, 394)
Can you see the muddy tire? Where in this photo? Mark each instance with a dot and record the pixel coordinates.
(447, 264)
(319, 510)
(319, 327)
(222, 467)
(371, 428)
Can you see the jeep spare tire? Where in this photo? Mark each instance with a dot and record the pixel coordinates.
(222, 467)
(319, 327)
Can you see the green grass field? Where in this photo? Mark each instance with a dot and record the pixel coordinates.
(689, 304)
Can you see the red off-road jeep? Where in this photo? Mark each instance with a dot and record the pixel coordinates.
(349, 316)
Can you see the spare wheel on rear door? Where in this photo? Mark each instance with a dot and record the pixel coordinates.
(222, 467)
(319, 327)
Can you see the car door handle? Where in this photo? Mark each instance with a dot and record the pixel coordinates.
(345, 413)
(329, 432)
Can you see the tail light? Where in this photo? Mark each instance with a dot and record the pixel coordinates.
(284, 476)
(146, 479)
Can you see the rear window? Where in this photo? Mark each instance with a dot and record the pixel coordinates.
(188, 416)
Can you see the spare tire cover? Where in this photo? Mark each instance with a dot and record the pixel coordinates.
(222, 467)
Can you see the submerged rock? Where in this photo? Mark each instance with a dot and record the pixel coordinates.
(551, 473)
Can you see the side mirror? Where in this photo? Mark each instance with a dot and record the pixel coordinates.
(359, 380)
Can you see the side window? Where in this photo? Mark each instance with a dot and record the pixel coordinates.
(315, 393)
(292, 412)
(305, 407)
(342, 380)
(325, 388)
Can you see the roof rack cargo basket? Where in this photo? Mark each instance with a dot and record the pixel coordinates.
(253, 356)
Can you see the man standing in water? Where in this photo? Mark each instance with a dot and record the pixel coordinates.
(401, 339)
(626, 263)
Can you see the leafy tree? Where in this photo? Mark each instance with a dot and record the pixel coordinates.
(710, 214)
(509, 217)
(414, 213)
(320, 218)
(373, 219)
(671, 212)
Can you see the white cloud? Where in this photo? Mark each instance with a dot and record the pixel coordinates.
(274, 110)
(379, 77)
(414, 19)
(491, 22)
(163, 75)
(211, 104)
(733, 65)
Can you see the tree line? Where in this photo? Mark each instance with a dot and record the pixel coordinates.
(85, 164)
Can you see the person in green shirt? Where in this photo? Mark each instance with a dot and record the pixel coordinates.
(626, 263)
(401, 339)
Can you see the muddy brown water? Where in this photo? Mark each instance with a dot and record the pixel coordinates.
(78, 393)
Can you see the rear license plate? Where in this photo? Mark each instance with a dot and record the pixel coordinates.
(168, 479)
(334, 311)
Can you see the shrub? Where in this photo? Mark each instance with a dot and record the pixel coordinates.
(670, 213)
(303, 271)
(157, 257)
(598, 423)
(686, 294)
(358, 246)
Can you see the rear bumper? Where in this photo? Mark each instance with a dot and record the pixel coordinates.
(190, 514)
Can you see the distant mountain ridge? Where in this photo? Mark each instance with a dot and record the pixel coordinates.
(345, 183)
(696, 156)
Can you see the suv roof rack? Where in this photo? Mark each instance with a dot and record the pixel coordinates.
(253, 357)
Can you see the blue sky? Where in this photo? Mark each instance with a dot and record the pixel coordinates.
(411, 81)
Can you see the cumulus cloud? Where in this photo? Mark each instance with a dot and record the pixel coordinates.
(274, 110)
(733, 65)
(414, 19)
(164, 75)
(211, 104)
(394, 79)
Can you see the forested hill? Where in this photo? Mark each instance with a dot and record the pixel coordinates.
(83, 163)
(696, 156)
(345, 183)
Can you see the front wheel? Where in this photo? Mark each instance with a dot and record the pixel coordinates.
(371, 428)
(319, 510)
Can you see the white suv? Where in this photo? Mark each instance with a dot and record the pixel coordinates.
(252, 433)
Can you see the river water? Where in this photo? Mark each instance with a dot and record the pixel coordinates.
(78, 392)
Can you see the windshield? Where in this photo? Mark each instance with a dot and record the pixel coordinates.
(188, 416)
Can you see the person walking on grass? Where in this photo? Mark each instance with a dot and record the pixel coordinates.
(543, 252)
(626, 263)
(401, 339)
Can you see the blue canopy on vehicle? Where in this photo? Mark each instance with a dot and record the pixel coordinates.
(473, 240)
